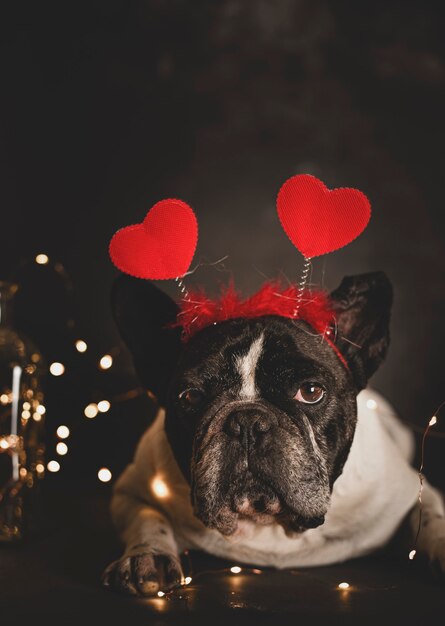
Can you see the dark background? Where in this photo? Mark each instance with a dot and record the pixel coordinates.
(108, 106)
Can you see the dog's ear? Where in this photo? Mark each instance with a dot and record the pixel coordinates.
(362, 306)
(143, 314)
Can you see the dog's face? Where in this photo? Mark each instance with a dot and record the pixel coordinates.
(261, 413)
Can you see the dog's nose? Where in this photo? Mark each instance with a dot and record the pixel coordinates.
(247, 424)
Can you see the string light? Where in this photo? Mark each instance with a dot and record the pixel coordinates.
(53, 466)
(187, 580)
(432, 422)
(42, 259)
(160, 489)
(91, 410)
(104, 475)
(81, 345)
(343, 586)
(161, 594)
(372, 404)
(56, 368)
(11, 442)
(236, 569)
(63, 432)
(4, 398)
(106, 362)
(61, 448)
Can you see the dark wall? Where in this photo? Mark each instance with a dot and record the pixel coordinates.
(108, 106)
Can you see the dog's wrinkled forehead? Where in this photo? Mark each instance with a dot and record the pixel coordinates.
(237, 354)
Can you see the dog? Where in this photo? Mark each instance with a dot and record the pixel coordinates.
(266, 449)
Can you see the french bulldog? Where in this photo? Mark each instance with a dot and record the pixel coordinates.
(266, 449)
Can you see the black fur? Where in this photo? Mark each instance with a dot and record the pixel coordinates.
(256, 459)
(143, 314)
(363, 306)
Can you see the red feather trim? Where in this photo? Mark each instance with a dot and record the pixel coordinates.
(199, 311)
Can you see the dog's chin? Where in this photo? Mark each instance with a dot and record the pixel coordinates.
(244, 515)
(246, 527)
(235, 526)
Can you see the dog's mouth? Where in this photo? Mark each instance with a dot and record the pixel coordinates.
(261, 507)
(265, 511)
(254, 503)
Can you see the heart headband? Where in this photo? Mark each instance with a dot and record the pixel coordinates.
(317, 221)
(159, 248)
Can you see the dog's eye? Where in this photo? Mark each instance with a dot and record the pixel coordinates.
(191, 398)
(310, 393)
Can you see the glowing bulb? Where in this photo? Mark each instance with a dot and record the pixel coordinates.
(26, 415)
(106, 362)
(23, 472)
(104, 475)
(412, 554)
(40, 468)
(26, 406)
(159, 487)
(4, 444)
(61, 448)
(187, 580)
(63, 432)
(371, 404)
(343, 586)
(4, 399)
(57, 369)
(41, 409)
(42, 259)
(161, 594)
(235, 569)
(81, 345)
(433, 421)
(91, 410)
(36, 417)
(103, 406)
(53, 466)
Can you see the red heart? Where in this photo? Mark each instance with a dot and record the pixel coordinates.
(318, 220)
(161, 247)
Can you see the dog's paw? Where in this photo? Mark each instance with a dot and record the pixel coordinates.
(143, 574)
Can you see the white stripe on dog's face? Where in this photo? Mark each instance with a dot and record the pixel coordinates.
(246, 366)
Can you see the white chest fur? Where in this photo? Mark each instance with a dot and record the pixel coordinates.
(369, 500)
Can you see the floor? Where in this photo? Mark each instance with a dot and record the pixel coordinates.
(55, 576)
